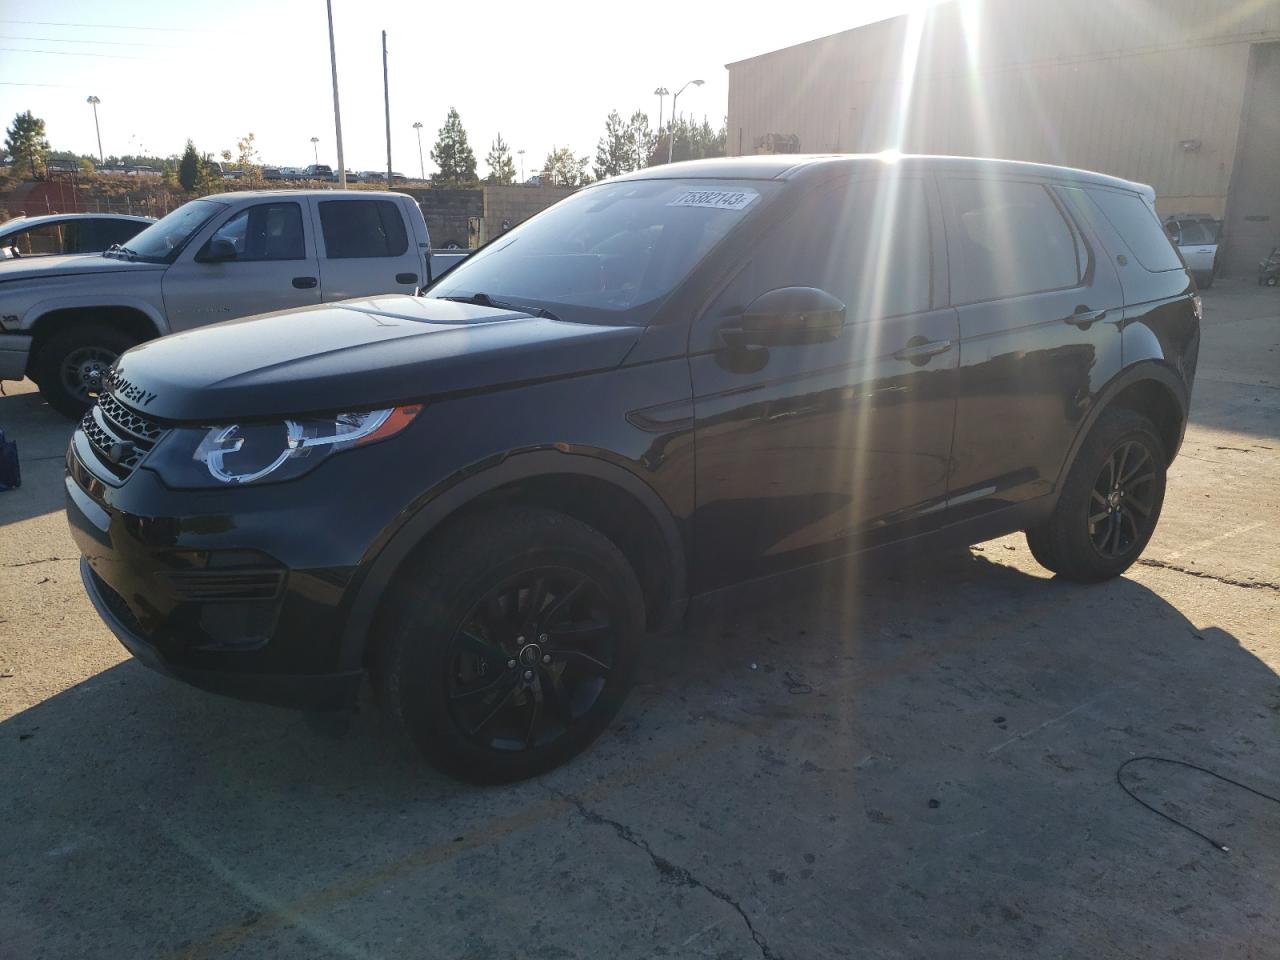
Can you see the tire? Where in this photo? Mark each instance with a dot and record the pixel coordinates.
(72, 363)
(1097, 531)
(463, 613)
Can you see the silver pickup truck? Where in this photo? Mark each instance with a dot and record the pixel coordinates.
(65, 319)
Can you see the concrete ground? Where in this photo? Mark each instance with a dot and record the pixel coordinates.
(913, 762)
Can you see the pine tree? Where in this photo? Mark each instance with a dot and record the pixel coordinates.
(502, 169)
(189, 168)
(452, 154)
(641, 139)
(26, 141)
(614, 152)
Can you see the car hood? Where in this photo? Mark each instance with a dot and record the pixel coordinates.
(355, 354)
(67, 265)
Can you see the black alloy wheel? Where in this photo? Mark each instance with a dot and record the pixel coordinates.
(1122, 500)
(509, 642)
(531, 660)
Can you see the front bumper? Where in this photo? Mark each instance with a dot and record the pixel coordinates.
(244, 592)
(15, 350)
(333, 691)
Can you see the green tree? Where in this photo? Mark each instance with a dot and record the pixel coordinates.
(502, 169)
(25, 139)
(641, 139)
(189, 168)
(562, 168)
(247, 160)
(453, 154)
(615, 153)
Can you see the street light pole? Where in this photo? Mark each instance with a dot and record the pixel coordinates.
(386, 99)
(661, 93)
(337, 114)
(521, 153)
(315, 149)
(93, 102)
(671, 140)
(422, 167)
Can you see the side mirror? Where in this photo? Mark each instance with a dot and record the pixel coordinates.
(217, 250)
(787, 316)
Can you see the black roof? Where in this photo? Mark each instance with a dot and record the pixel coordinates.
(800, 166)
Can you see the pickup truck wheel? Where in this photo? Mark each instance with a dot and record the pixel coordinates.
(510, 643)
(72, 365)
(1109, 504)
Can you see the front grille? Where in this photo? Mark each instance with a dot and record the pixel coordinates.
(119, 436)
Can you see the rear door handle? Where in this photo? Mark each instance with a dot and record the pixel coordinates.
(305, 283)
(1083, 317)
(406, 278)
(920, 351)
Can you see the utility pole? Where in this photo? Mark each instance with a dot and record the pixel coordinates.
(386, 99)
(337, 115)
(94, 101)
(660, 93)
(422, 167)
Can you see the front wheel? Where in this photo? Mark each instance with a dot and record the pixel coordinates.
(72, 365)
(1109, 504)
(510, 643)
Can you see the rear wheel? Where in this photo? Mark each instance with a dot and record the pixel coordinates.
(1109, 504)
(73, 364)
(510, 643)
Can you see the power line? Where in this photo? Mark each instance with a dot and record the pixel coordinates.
(79, 53)
(14, 83)
(99, 26)
(109, 43)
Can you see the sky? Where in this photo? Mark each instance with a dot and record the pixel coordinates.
(543, 76)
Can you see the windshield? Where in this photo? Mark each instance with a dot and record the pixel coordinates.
(162, 241)
(610, 253)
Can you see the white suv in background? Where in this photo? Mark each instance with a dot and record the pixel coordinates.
(1197, 237)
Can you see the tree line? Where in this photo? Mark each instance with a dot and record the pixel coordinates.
(626, 145)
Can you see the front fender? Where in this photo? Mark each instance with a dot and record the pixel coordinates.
(97, 301)
(385, 559)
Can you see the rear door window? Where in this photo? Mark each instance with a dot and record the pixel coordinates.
(1008, 239)
(362, 228)
(38, 241)
(1138, 227)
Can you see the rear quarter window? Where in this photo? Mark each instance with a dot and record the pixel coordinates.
(1138, 227)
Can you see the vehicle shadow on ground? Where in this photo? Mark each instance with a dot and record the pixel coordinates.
(932, 746)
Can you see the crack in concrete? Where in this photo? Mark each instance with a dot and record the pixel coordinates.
(1229, 581)
(30, 563)
(668, 871)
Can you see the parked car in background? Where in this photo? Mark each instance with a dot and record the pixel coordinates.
(1197, 238)
(319, 171)
(293, 173)
(672, 382)
(65, 233)
(66, 319)
(272, 173)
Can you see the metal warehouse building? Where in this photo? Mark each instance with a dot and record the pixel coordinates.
(1181, 94)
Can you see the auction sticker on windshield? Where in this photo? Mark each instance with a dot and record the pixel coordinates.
(715, 199)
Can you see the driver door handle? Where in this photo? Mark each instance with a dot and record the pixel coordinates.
(920, 351)
(1083, 318)
(305, 283)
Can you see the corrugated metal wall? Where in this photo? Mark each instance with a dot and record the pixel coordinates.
(1147, 90)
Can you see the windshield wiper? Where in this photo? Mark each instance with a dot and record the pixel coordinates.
(131, 254)
(484, 300)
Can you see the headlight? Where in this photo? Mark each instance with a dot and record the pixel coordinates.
(237, 454)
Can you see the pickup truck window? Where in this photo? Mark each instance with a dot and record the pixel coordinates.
(163, 240)
(268, 231)
(37, 241)
(362, 228)
(616, 247)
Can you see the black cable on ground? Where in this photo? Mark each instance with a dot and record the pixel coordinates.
(1190, 766)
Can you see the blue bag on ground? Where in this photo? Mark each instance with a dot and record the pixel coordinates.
(10, 475)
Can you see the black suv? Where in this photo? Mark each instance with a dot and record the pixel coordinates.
(667, 384)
